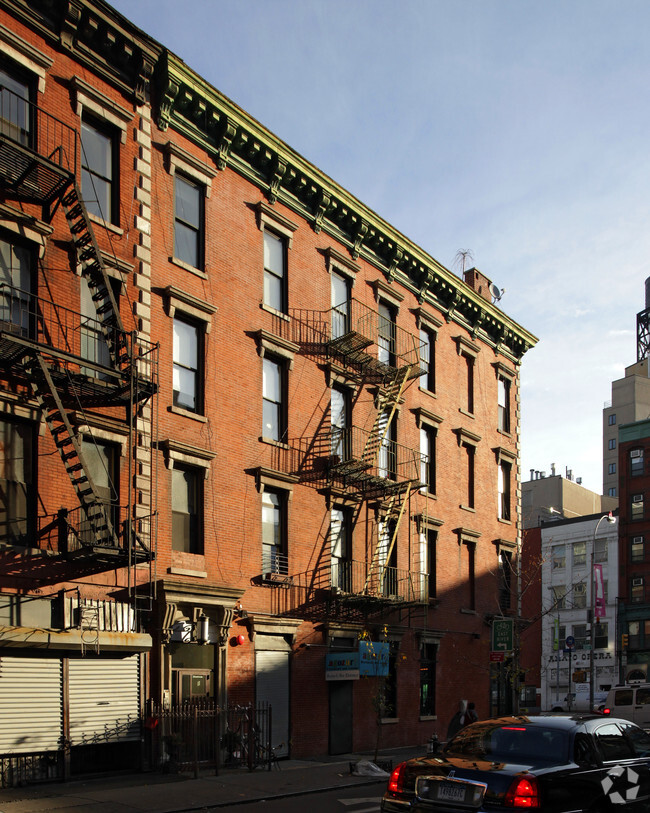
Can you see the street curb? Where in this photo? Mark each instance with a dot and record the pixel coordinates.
(273, 796)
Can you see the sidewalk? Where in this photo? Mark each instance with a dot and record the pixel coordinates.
(164, 793)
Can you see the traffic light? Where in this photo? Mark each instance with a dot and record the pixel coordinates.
(624, 640)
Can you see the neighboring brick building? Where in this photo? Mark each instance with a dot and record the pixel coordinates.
(246, 422)
(634, 539)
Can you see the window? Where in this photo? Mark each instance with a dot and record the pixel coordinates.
(558, 557)
(340, 536)
(636, 507)
(601, 636)
(559, 598)
(102, 468)
(99, 171)
(274, 532)
(581, 636)
(428, 653)
(470, 453)
(15, 111)
(187, 365)
(471, 574)
(387, 557)
(187, 496)
(503, 398)
(611, 419)
(504, 490)
(340, 295)
(387, 334)
(637, 549)
(637, 589)
(93, 341)
(636, 462)
(579, 596)
(428, 360)
(275, 271)
(428, 458)
(340, 423)
(428, 541)
(390, 683)
(188, 221)
(611, 443)
(17, 491)
(469, 364)
(611, 492)
(273, 394)
(579, 551)
(387, 457)
(611, 468)
(600, 550)
(505, 580)
(16, 264)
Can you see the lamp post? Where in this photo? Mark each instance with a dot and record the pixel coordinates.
(592, 602)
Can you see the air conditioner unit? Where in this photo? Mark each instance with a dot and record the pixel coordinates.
(637, 498)
(637, 582)
(637, 540)
(636, 453)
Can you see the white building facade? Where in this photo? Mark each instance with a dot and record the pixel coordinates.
(568, 549)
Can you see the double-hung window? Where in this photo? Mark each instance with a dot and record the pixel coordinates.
(99, 176)
(505, 580)
(15, 111)
(274, 401)
(387, 334)
(428, 458)
(428, 360)
(636, 462)
(16, 277)
(102, 468)
(340, 423)
(187, 365)
(503, 400)
(428, 543)
(274, 532)
(636, 507)
(340, 296)
(504, 475)
(340, 537)
(187, 497)
(17, 481)
(428, 653)
(188, 221)
(275, 271)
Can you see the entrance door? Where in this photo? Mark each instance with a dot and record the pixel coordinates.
(340, 720)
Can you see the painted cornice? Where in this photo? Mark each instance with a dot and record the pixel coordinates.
(190, 105)
(97, 36)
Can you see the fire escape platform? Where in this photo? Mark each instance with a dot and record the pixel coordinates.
(30, 176)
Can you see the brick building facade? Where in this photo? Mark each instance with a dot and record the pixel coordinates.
(246, 423)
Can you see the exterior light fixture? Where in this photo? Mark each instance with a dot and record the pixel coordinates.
(202, 629)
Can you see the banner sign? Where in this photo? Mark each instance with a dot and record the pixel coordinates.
(599, 592)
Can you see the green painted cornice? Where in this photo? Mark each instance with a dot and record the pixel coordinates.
(97, 37)
(192, 106)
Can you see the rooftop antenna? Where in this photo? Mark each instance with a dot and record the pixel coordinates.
(461, 259)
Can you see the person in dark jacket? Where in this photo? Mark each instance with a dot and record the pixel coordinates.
(471, 716)
(458, 720)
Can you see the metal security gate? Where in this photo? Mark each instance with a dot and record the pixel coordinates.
(272, 685)
(104, 700)
(31, 719)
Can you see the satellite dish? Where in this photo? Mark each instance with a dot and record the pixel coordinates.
(496, 293)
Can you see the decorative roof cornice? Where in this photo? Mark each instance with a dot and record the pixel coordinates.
(97, 36)
(233, 138)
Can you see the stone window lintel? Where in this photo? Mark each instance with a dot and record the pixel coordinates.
(276, 346)
(24, 54)
(178, 158)
(467, 437)
(465, 346)
(268, 216)
(189, 304)
(424, 417)
(384, 291)
(336, 261)
(177, 451)
(426, 320)
(87, 96)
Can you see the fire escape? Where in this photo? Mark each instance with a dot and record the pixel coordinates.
(367, 464)
(70, 363)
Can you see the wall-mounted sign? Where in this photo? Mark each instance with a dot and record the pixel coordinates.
(373, 658)
(342, 666)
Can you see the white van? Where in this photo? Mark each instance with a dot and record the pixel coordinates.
(631, 702)
(579, 701)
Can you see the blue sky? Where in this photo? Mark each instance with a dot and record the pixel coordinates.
(518, 130)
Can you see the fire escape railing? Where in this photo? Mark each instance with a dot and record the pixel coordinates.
(358, 337)
(25, 130)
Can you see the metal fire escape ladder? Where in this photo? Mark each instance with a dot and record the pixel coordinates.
(388, 400)
(394, 513)
(69, 447)
(93, 268)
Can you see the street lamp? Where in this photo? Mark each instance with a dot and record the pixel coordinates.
(592, 602)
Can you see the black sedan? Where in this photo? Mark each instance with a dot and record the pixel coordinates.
(556, 764)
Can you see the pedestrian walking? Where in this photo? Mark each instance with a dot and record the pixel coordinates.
(458, 720)
(471, 716)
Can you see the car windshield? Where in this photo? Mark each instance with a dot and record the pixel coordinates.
(511, 743)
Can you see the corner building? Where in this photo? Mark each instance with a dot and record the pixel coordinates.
(249, 428)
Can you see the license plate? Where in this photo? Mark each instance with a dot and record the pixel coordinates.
(451, 793)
